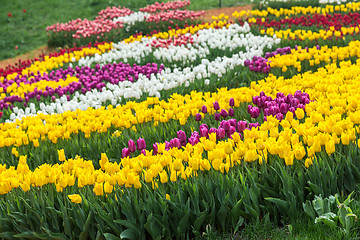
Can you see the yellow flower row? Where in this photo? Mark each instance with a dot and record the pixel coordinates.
(169, 165)
(315, 56)
(308, 34)
(353, 6)
(32, 128)
(20, 90)
(55, 62)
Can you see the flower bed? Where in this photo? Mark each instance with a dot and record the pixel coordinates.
(212, 124)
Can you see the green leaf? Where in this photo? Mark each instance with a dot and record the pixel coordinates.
(25, 235)
(7, 235)
(199, 220)
(154, 227)
(129, 234)
(281, 204)
(109, 236)
(84, 234)
(308, 208)
(327, 219)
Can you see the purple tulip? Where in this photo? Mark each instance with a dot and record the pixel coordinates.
(141, 144)
(204, 132)
(225, 125)
(181, 136)
(204, 126)
(198, 117)
(231, 131)
(255, 112)
(241, 126)
(204, 109)
(231, 102)
(231, 112)
(279, 116)
(155, 148)
(143, 152)
(217, 116)
(125, 152)
(220, 133)
(224, 113)
(212, 130)
(216, 105)
(175, 143)
(131, 146)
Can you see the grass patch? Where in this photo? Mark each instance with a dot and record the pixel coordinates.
(25, 31)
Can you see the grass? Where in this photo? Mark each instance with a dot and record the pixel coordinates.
(25, 31)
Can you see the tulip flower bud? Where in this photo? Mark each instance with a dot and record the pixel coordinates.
(216, 105)
(220, 133)
(217, 116)
(212, 130)
(143, 152)
(175, 143)
(204, 132)
(233, 122)
(279, 116)
(125, 152)
(141, 144)
(226, 125)
(131, 146)
(224, 113)
(255, 112)
(198, 117)
(241, 125)
(155, 148)
(204, 109)
(284, 108)
(231, 102)
(231, 131)
(231, 112)
(204, 126)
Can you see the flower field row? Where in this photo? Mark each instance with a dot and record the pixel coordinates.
(213, 124)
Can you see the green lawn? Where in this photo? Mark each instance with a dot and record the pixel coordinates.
(26, 30)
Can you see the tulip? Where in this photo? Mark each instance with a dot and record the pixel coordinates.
(231, 112)
(224, 113)
(204, 132)
(181, 136)
(216, 105)
(155, 148)
(217, 116)
(231, 102)
(175, 143)
(241, 125)
(141, 144)
(125, 153)
(131, 146)
(198, 117)
(225, 125)
(255, 112)
(204, 109)
(220, 133)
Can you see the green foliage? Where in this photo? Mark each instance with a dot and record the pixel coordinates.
(344, 218)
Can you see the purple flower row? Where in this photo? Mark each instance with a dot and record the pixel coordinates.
(279, 106)
(259, 64)
(89, 78)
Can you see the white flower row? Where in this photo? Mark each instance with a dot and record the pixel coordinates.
(131, 19)
(167, 79)
(205, 40)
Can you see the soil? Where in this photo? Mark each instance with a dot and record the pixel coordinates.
(45, 50)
